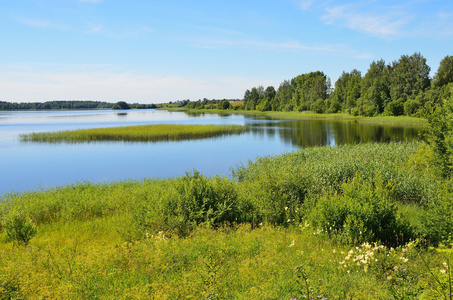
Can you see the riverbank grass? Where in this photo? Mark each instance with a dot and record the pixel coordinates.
(141, 133)
(308, 115)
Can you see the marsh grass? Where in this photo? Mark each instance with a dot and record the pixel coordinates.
(141, 133)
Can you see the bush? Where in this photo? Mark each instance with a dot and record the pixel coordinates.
(438, 220)
(394, 108)
(188, 201)
(365, 211)
(19, 228)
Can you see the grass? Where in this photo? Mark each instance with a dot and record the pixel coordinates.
(251, 238)
(142, 133)
(306, 115)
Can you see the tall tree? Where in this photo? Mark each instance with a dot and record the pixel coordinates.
(444, 74)
(374, 88)
(347, 90)
(309, 88)
(284, 95)
(409, 76)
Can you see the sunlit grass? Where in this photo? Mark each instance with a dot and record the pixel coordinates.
(161, 132)
(307, 115)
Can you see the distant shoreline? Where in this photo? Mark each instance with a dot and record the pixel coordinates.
(307, 115)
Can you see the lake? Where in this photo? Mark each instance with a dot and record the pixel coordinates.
(30, 166)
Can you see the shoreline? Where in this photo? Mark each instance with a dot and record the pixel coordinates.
(306, 115)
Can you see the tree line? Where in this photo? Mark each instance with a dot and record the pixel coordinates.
(402, 87)
(74, 104)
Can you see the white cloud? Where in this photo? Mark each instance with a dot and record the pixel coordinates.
(305, 4)
(289, 46)
(388, 22)
(33, 22)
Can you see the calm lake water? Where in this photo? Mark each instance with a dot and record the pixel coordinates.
(29, 166)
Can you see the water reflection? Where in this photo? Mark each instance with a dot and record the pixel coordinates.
(308, 133)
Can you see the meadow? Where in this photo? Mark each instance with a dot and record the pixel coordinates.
(366, 221)
(141, 133)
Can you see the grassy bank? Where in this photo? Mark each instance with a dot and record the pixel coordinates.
(161, 132)
(345, 222)
(306, 115)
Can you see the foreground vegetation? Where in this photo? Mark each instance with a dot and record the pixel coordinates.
(160, 132)
(335, 223)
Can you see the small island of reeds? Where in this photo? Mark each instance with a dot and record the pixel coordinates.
(140, 133)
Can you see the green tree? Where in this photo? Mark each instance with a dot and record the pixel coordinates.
(444, 74)
(224, 104)
(253, 98)
(284, 95)
(409, 76)
(347, 90)
(309, 88)
(268, 102)
(121, 105)
(374, 89)
(439, 135)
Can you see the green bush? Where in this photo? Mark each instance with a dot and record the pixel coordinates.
(181, 204)
(364, 211)
(19, 228)
(438, 219)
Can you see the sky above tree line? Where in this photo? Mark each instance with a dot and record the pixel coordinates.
(146, 51)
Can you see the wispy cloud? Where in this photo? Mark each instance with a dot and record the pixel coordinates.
(33, 22)
(386, 23)
(288, 46)
(305, 4)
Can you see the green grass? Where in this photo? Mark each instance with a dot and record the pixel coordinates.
(306, 115)
(144, 133)
(254, 237)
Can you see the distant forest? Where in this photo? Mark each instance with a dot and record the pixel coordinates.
(75, 104)
(402, 87)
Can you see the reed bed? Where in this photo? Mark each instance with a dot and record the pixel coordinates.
(141, 133)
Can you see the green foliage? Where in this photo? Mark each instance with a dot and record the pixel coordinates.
(364, 211)
(444, 74)
(319, 106)
(121, 105)
(189, 201)
(439, 135)
(159, 132)
(54, 105)
(18, 227)
(394, 108)
(224, 104)
(438, 218)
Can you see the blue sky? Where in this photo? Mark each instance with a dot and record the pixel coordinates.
(150, 51)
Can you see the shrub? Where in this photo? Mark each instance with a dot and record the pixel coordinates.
(19, 228)
(364, 212)
(438, 218)
(189, 201)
